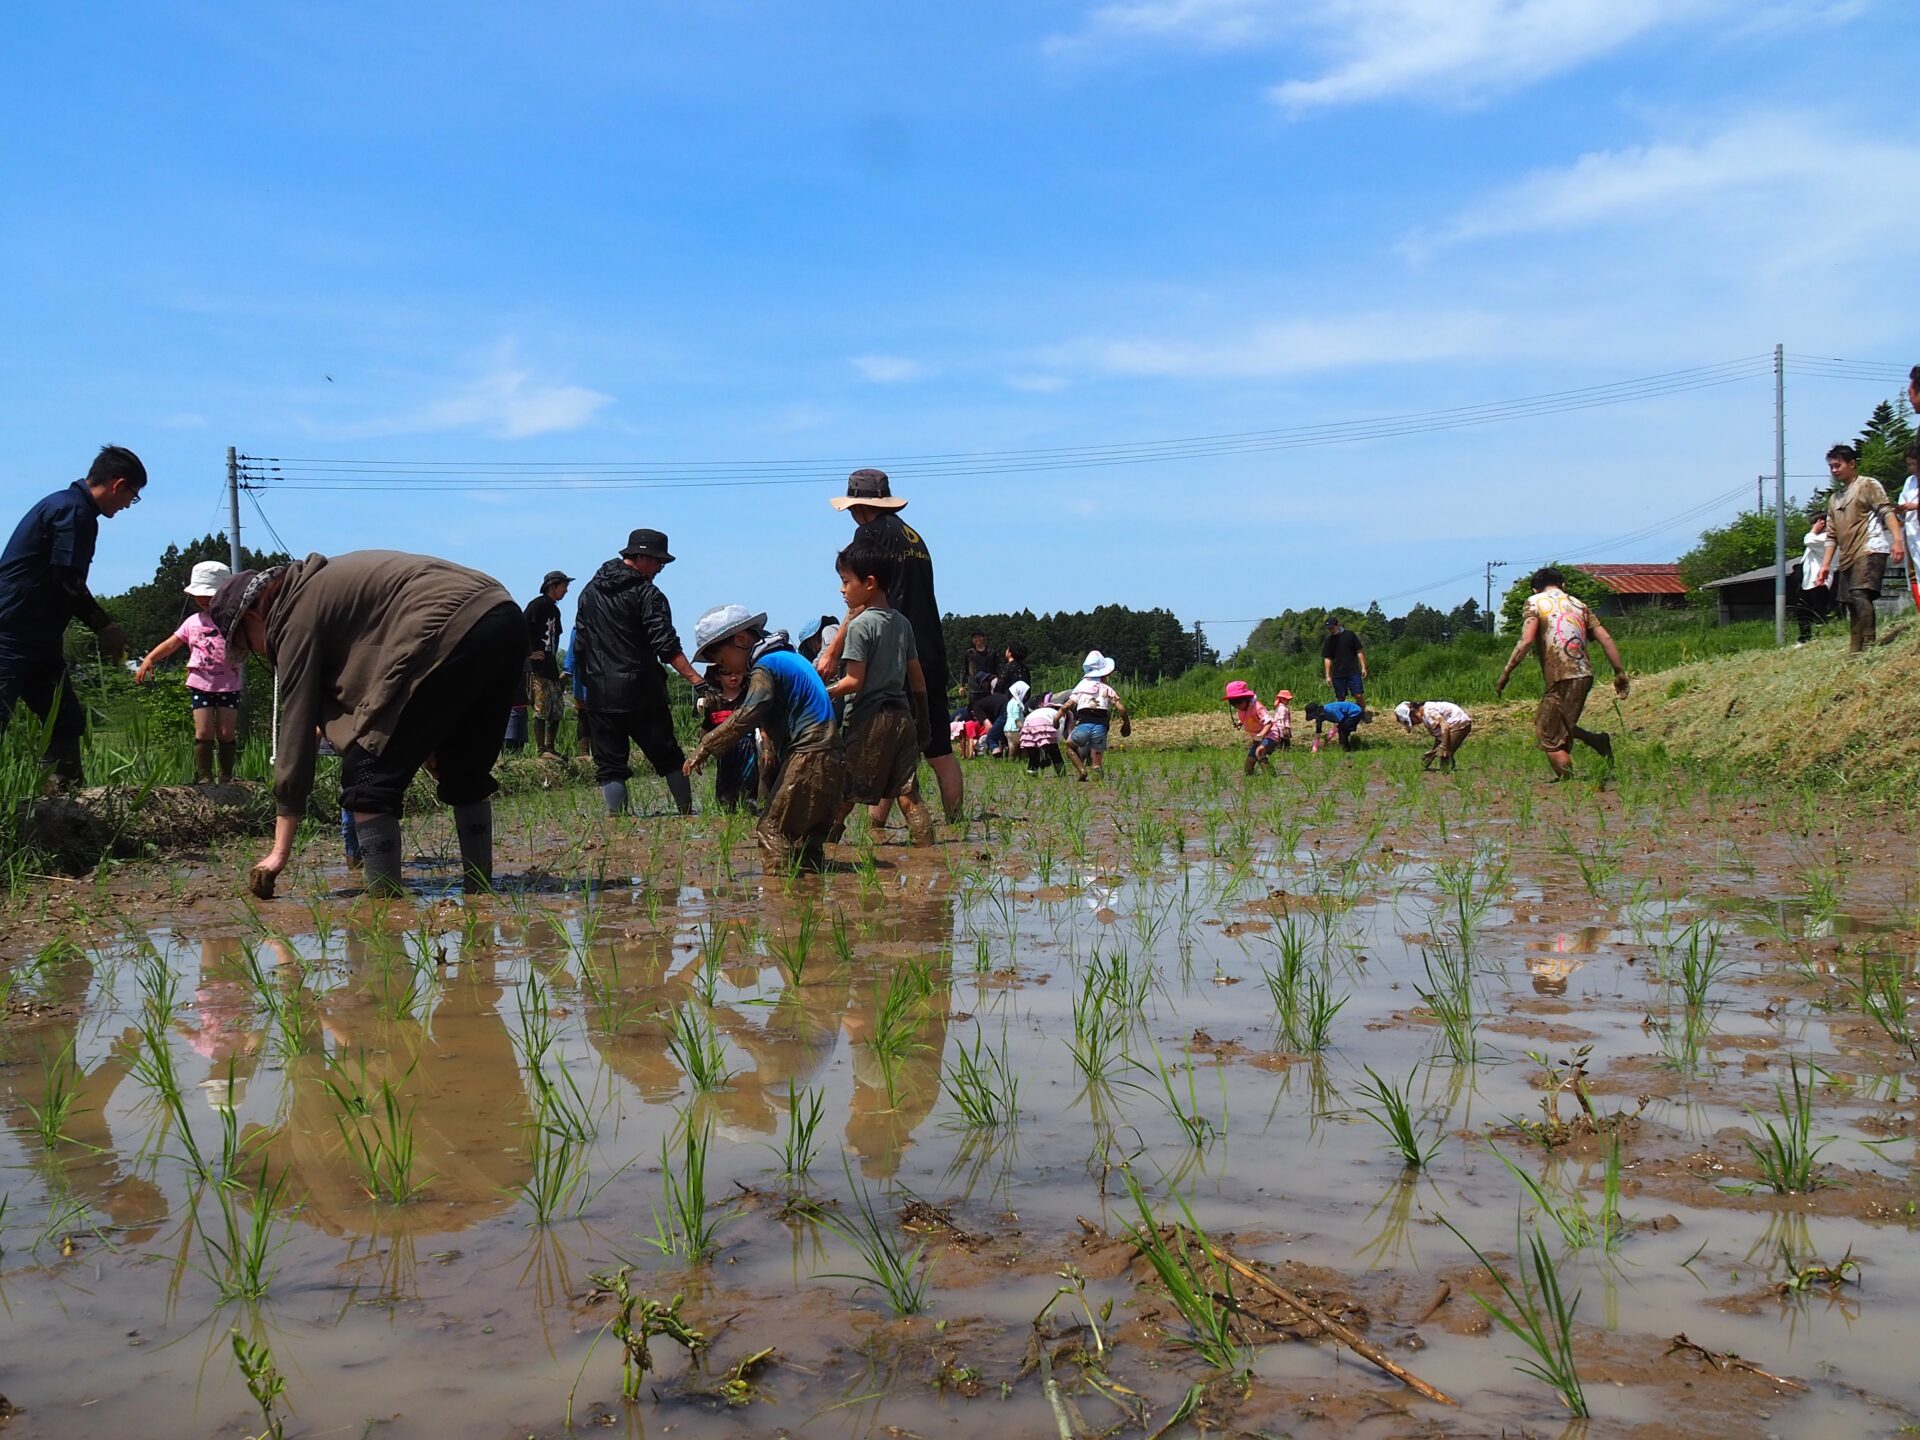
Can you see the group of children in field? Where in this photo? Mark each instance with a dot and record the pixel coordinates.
(1270, 730)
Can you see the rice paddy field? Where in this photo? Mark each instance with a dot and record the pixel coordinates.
(1349, 1100)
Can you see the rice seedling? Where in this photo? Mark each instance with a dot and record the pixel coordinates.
(1542, 1318)
(983, 1084)
(1883, 999)
(1578, 1226)
(1394, 1114)
(688, 1227)
(898, 1022)
(1198, 1129)
(696, 1047)
(1200, 1287)
(1694, 964)
(1448, 996)
(59, 1096)
(887, 1265)
(1310, 1027)
(799, 1142)
(794, 947)
(840, 933)
(240, 1252)
(264, 1383)
(556, 1175)
(1786, 1153)
(379, 1134)
(1099, 1032)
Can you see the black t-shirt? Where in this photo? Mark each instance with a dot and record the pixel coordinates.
(912, 595)
(1343, 649)
(543, 633)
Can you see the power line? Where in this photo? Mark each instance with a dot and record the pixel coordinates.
(285, 549)
(306, 473)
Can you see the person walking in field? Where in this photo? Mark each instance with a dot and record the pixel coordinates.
(213, 681)
(1866, 537)
(1344, 662)
(1815, 602)
(1557, 628)
(1094, 703)
(784, 697)
(43, 587)
(401, 662)
(887, 716)
(876, 514)
(544, 697)
(623, 633)
(1448, 723)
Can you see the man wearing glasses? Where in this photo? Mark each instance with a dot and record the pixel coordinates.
(43, 586)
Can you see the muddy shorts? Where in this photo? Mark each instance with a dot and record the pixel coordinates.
(543, 697)
(805, 806)
(1864, 576)
(1453, 736)
(1560, 710)
(882, 755)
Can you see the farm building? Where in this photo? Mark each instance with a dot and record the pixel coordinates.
(1749, 595)
(1637, 587)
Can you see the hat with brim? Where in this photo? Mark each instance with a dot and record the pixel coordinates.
(1096, 665)
(1239, 690)
(651, 544)
(1403, 712)
(1283, 694)
(868, 487)
(237, 595)
(560, 577)
(722, 623)
(206, 580)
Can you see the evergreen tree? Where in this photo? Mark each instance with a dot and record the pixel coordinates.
(1883, 444)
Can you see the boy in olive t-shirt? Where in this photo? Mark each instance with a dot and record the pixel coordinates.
(887, 723)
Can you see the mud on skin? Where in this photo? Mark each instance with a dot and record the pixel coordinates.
(422, 1129)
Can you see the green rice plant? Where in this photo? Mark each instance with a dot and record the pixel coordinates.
(983, 1084)
(1198, 1129)
(1099, 1032)
(1199, 1285)
(264, 1383)
(899, 1021)
(240, 1251)
(1694, 964)
(793, 948)
(841, 934)
(287, 1007)
(687, 1228)
(378, 1131)
(1311, 1026)
(59, 1096)
(1786, 1154)
(696, 1047)
(1448, 996)
(799, 1143)
(556, 1175)
(1884, 1000)
(887, 1265)
(1578, 1226)
(1394, 1114)
(1542, 1318)
(1124, 983)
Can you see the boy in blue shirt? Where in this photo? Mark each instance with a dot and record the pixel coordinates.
(1343, 715)
(787, 700)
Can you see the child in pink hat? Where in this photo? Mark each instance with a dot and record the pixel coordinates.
(1253, 718)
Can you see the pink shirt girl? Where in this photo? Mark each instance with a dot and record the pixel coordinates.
(208, 667)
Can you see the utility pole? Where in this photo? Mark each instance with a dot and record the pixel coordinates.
(233, 511)
(1492, 565)
(1760, 493)
(1779, 494)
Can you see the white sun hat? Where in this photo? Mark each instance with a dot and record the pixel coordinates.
(720, 622)
(1403, 712)
(1096, 665)
(207, 578)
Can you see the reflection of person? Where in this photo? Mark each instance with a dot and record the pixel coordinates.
(43, 587)
(213, 681)
(1866, 537)
(785, 699)
(623, 635)
(395, 658)
(893, 1096)
(875, 509)
(1344, 662)
(1557, 628)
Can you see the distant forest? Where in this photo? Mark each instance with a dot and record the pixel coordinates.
(1145, 644)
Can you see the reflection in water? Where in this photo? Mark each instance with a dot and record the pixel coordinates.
(1552, 964)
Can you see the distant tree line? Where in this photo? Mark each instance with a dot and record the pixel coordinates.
(1147, 644)
(1298, 633)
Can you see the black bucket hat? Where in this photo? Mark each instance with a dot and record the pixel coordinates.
(651, 543)
(556, 577)
(868, 487)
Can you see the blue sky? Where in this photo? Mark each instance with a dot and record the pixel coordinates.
(626, 233)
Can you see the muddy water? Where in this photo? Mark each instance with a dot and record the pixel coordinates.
(454, 1311)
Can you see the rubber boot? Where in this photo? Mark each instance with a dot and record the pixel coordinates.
(473, 824)
(380, 853)
(203, 762)
(681, 789)
(614, 792)
(227, 748)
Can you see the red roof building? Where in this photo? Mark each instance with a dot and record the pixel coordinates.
(1635, 587)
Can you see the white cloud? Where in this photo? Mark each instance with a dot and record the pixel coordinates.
(1037, 383)
(511, 403)
(1437, 49)
(1779, 165)
(185, 420)
(1290, 347)
(888, 369)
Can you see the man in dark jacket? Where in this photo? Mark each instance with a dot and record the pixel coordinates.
(43, 586)
(623, 633)
(543, 659)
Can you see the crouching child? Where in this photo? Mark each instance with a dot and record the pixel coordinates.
(1448, 723)
(786, 700)
(887, 723)
(1344, 715)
